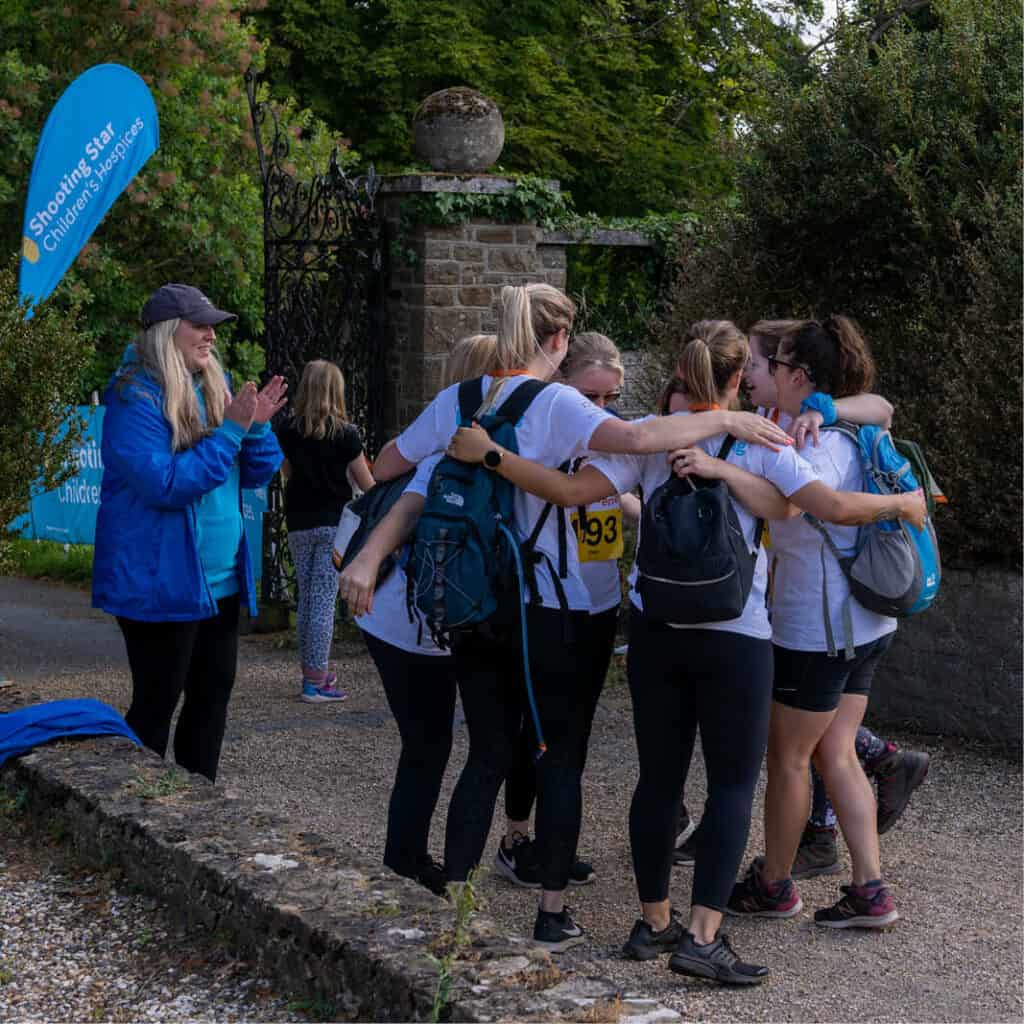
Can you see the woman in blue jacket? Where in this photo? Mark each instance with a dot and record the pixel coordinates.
(171, 560)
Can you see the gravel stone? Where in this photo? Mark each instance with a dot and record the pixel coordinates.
(953, 862)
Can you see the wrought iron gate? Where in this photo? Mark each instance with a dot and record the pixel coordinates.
(324, 280)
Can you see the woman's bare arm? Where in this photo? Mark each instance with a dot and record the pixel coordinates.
(359, 579)
(470, 444)
(853, 508)
(391, 463)
(667, 433)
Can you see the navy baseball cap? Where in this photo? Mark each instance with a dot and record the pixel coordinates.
(182, 302)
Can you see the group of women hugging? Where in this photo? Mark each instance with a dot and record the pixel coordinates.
(790, 675)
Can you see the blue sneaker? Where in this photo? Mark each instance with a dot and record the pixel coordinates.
(322, 693)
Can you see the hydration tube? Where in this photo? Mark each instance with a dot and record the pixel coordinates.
(514, 544)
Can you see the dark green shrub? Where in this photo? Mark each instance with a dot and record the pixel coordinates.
(887, 186)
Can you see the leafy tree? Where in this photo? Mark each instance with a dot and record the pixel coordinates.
(43, 362)
(886, 183)
(623, 100)
(194, 212)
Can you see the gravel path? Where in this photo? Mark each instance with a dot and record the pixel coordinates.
(954, 861)
(79, 947)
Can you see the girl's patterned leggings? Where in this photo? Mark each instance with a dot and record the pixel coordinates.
(317, 582)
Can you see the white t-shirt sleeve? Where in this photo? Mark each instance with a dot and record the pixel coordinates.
(573, 419)
(787, 470)
(432, 430)
(421, 480)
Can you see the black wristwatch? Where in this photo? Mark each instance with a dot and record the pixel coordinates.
(492, 458)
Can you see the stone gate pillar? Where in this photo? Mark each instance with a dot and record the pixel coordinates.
(449, 287)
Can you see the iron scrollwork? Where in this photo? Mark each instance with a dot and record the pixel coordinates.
(324, 280)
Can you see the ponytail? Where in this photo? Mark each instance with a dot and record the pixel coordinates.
(834, 354)
(713, 351)
(530, 314)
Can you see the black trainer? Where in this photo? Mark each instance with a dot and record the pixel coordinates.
(686, 852)
(717, 961)
(898, 774)
(518, 865)
(582, 872)
(556, 931)
(431, 876)
(644, 943)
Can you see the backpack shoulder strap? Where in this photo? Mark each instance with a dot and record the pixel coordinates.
(723, 453)
(471, 397)
(847, 429)
(513, 408)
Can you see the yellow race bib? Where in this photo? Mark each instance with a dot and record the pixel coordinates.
(600, 538)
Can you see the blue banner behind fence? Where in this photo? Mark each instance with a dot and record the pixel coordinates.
(68, 514)
(99, 133)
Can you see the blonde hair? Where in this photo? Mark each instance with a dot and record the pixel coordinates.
(771, 332)
(591, 350)
(530, 314)
(320, 401)
(163, 361)
(713, 350)
(470, 357)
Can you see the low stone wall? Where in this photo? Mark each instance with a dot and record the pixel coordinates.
(316, 916)
(955, 670)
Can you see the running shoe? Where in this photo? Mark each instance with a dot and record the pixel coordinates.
(582, 872)
(518, 865)
(686, 852)
(717, 960)
(685, 826)
(862, 906)
(898, 774)
(753, 897)
(431, 876)
(557, 931)
(321, 693)
(644, 943)
(816, 854)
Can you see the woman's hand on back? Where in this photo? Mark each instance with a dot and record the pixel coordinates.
(470, 444)
(914, 508)
(358, 582)
(242, 408)
(748, 426)
(805, 427)
(270, 399)
(695, 461)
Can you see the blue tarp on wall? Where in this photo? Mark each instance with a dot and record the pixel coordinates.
(68, 514)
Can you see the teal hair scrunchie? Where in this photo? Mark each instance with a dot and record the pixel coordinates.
(821, 402)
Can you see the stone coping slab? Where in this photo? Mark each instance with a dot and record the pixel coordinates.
(310, 910)
(480, 184)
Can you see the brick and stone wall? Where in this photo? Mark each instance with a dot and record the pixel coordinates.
(450, 287)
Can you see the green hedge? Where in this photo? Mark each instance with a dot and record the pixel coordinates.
(886, 185)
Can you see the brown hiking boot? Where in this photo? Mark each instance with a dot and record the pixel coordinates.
(898, 774)
(817, 854)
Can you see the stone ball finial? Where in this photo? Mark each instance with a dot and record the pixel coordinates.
(459, 130)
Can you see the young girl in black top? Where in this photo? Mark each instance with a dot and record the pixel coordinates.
(323, 458)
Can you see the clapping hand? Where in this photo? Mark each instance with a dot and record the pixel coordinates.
(241, 409)
(270, 399)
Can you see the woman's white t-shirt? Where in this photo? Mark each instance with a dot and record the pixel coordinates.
(556, 428)
(785, 469)
(798, 620)
(390, 621)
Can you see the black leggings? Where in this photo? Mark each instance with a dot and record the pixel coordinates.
(198, 657)
(420, 690)
(521, 784)
(722, 682)
(494, 701)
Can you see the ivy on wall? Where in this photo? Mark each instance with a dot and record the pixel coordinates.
(618, 288)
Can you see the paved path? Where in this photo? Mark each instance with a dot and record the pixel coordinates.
(954, 861)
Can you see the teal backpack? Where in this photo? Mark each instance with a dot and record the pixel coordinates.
(895, 569)
(464, 567)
